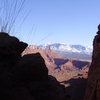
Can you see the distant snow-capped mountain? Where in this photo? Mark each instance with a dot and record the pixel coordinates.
(67, 48)
(75, 51)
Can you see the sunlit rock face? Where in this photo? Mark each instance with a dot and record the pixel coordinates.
(93, 85)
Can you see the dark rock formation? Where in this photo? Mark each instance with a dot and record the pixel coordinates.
(98, 30)
(25, 77)
(31, 68)
(93, 85)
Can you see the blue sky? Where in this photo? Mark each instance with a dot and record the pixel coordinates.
(61, 21)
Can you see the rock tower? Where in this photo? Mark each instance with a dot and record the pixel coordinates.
(93, 85)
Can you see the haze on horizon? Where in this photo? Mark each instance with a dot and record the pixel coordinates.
(58, 21)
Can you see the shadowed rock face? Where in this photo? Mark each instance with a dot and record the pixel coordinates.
(31, 68)
(25, 77)
(10, 45)
(93, 86)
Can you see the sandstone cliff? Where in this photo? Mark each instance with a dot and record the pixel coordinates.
(93, 85)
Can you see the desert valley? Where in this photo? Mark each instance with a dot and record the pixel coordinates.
(70, 72)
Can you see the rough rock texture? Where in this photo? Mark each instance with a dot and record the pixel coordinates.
(93, 86)
(25, 78)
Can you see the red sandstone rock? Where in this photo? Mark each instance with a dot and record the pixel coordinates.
(93, 85)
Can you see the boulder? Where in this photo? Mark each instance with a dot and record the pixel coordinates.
(31, 67)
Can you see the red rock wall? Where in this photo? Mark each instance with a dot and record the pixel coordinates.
(93, 85)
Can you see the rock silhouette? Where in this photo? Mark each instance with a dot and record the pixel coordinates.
(25, 77)
(93, 86)
(98, 30)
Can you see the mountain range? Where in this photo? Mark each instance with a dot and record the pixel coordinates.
(70, 51)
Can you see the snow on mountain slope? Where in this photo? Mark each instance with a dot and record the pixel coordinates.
(67, 48)
(72, 51)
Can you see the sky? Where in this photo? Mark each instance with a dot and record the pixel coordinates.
(58, 21)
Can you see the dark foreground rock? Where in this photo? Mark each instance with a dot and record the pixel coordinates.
(25, 78)
(93, 86)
